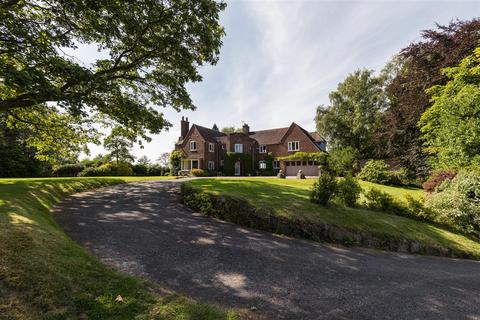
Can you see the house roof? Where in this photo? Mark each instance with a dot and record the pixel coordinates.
(270, 136)
(209, 134)
(316, 136)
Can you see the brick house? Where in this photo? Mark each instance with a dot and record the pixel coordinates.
(247, 151)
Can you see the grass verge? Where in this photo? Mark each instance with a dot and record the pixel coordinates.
(45, 275)
(289, 199)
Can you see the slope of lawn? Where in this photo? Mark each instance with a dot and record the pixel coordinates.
(45, 275)
(290, 198)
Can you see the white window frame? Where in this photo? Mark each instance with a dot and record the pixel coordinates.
(222, 162)
(238, 148)
(211, 165)
(211, 147)
(276, 164)
(262, 164)
(191, 164)
(294, 146)
(262, 148)
(195, 145)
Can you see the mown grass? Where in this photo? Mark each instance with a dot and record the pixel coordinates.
(45, 275)
(290, 198)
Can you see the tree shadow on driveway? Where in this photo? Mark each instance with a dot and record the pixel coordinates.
(142, 229)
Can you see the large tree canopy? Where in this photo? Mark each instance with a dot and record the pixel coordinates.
(415, 69)
(352, 116)
(451, 126)
(150, 50)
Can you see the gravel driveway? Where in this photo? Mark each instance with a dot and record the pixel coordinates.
(141, 228)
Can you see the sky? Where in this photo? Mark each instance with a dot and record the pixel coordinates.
(280, 59)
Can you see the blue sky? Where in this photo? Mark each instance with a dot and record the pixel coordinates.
(280, 59)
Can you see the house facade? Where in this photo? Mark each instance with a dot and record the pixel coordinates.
(247, 152)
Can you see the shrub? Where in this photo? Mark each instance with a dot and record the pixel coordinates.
(457, 202)
(398, 177)
(341, 160)
(348, 191)
(68, 170)
(93, 172)
(323, 189)
(157, 170)
(122, 169)
(437, 178)
(375, 171)
(140, 169)
(199, 173)
(379, 200)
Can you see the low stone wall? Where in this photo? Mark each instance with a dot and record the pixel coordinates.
(239, 211)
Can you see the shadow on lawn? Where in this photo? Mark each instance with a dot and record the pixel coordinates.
(44, 274)
(142, 229)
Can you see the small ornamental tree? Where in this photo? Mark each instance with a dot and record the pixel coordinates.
(175, 161)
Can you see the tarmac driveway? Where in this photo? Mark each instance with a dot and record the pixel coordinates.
(142, 229)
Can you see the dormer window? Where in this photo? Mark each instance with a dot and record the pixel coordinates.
(293, 146)
(211, 147)
(262, 148)
(193, 145)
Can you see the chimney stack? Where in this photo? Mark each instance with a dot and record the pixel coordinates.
(246, 129)
(184, 127)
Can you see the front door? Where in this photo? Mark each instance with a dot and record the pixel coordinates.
(237, 168)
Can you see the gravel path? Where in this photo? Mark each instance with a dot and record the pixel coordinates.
(142, 229)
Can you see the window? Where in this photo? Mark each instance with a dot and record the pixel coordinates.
(211, 165)
(262, 148)
(276, 164)
(293, 146)
(221, 163)
(211, 147)
(193, 145)
(238, 148)
(194, 164)
(262, 164)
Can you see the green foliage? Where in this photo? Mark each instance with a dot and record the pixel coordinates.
(232, 157)
(55, 137)
(268, 171)
(380, 200)
(199, 173)
(119, 142)
(375, 171)
(415, 68)
(175, 161)
(451, 126)
(68, 170)
(457, 202)
(348, 191)
(140, 169)
(215, 127)
(323, 190)
(143, 160)
(17, 159)
(229, 129)
(354, 112)
(341, 160)
(108, 169)
(149, 50)
(305, 156)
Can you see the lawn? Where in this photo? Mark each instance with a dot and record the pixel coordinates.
(45, 275)
(290, 198)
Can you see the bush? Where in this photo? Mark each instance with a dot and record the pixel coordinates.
(399, 177)
(157, 170)
(437, 178)
(348, 191)
(199, 173)
(341, 160)
(323, 189)
(379, 200)
(457, 202)
(140, 169)
(93, 172)
(375, 171)
(68, 170)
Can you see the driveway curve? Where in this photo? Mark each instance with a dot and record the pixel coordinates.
(142, 229)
